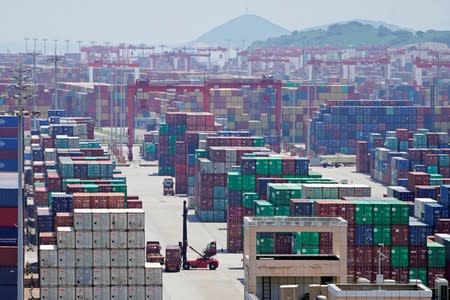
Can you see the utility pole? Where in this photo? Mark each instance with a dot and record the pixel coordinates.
(67, 46)
(55, 60)
(45, 46)
(26, 44)
(79, 45)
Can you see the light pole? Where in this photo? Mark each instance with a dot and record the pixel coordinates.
(67, 46)
(45, 46)
(26, 44)
(79, 45)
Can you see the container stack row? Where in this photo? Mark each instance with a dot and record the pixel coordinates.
(339, 124)
(211, 197)
(9, 192)
(101, 256)
(173, 132)
(150, 146)
(256, 171)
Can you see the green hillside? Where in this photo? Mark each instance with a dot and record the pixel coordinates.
(355, 34)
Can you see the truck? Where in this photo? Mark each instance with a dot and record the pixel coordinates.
(153, 252)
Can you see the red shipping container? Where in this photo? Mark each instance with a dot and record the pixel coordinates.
(434, 273)
(400, 275)
(418, 256)
(364, 255)
(443, 226)
(400, 235)
(283, 243)
(8, 256)
(47, 238)
(8, 216)
(134, 203)
(64, 219)
(365, 271)
(351, 256)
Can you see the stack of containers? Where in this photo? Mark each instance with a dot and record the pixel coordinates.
(173, 131)
(362, 157)
(8, 234)
(9, 192)
(339, 124)
(9, 133)
(211, 195)
(150, 146)
(101, 257)
(252, 171)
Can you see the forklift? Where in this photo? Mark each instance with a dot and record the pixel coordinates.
(168, 186)
(206, 258)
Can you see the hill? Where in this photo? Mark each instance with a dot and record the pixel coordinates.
(354, 34)
(248, 28)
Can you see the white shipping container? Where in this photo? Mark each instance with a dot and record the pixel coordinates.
(48, 277)
(153, 292)
(66, 276)
(136, 292)
(136, 258)
(102, 293)
(84, 293)
(136, 219)
(83, 258)
(66, 293)
(82, 219)
(419, 207)
(119, 276)
(102, 276)
(119, 258)
(119, 239)
(119, 292)
(49, 293)
(100, 239)
(83, 239)
(84, 276)
(66, 258)
(136, 276)
(48, 256)
(118, 219)
(153, 274)
(136, 239)
(102, 258)
(65, 237)
(100, 219)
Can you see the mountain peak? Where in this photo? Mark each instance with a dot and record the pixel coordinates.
(248, 28)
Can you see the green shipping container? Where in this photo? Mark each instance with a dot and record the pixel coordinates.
(248, 183)
(363, 213)
(400, 212)
(248, 199)
(399, 257)
(436, 255)
(234, 181)
(382, 213)
(265, 245)
(264, 209)
(262, 166)
(284, 211)
(419, 273)
(163, 129)
(382, 235)
(258, 142)
(275, 166)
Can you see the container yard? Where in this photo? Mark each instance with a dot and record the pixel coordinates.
(304, 165)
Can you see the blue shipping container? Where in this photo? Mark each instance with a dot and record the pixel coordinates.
(8, 143)
(8, 275)
(8, 236)
(363, 235)
(8, 291)
(9, 121)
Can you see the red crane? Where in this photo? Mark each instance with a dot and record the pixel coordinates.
(145, 86)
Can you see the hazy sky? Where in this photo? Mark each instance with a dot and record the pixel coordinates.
(176, 21)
